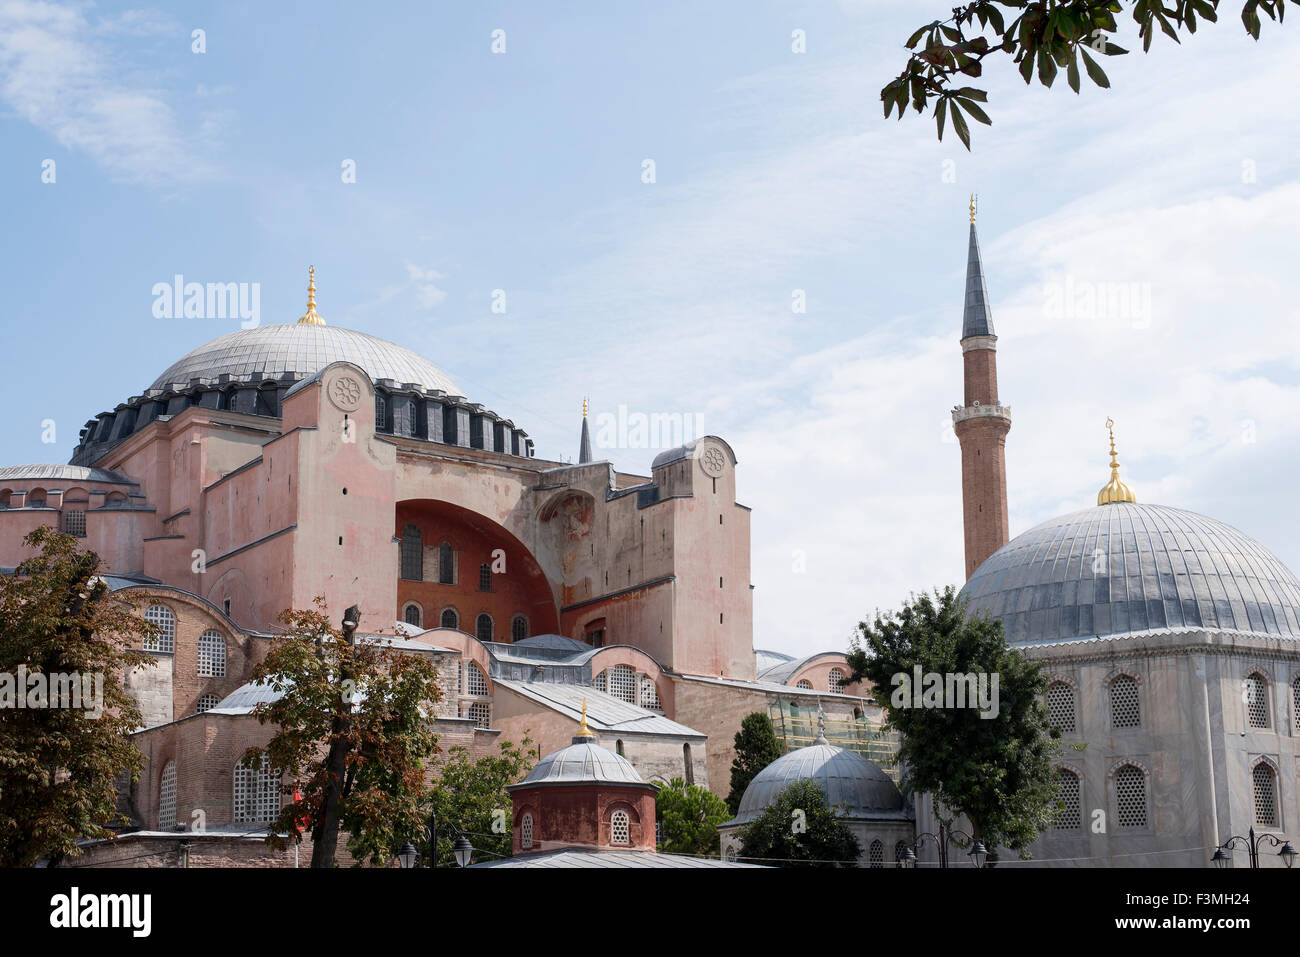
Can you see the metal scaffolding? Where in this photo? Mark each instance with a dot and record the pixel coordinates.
(796, 727)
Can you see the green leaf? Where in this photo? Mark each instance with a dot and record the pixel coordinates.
(959, 124)
(995, 18)
(1072, 72)
(916, 37)
(1095, 73)
(976, 111)
(940, 111)
(1027, 67)
(970, 93)
(1046, 68)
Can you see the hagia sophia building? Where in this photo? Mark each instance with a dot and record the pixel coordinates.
(609, 615)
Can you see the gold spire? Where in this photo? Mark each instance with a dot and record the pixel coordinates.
(1114, 490)
(312, 318)
(584, 406)
(583, 730)
(972, 209)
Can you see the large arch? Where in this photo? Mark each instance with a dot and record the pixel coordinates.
(484, 554)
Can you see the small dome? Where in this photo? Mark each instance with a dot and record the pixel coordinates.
(1125, 568)
(302, 350)
(850, 783)
(583, 762)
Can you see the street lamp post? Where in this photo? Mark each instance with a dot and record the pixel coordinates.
(978, 853)
(1251, 844)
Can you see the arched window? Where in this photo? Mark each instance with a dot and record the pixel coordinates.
(5, 497)
(1265, 795)
(649, 695)
(518, 628)
(167, 798)
(1070, 817)
(526, 831)
(618, 748)
(476, 685)
(1295, 701)
(381, 413)
(257, 793)
(1125, 709)
(412, 553)
(446, 564)
(804, 683)
(622, 683)
(36, 498)
(688, 762)
(485, 577)
(1060, 705)
(450, 619)
(620, 828)
(1131, 796)
(1257, 701)
(413, 614)
(836, 680)
(600, 682)
(483, 627)
(899, 850)
(876, 854)
(165, 621)
(206, 703)
(212, 655)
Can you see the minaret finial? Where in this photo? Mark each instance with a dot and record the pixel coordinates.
(311, 317)
(584, 406)
(1114, 490)
(972, 209)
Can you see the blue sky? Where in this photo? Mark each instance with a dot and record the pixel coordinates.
(774, 172)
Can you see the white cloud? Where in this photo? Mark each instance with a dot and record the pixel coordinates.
(423, 282)
(58, 73)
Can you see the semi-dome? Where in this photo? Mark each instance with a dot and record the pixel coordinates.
(852, 785)
(300, 350)
(1126, 568)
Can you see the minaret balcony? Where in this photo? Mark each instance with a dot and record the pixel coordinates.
(963, 413)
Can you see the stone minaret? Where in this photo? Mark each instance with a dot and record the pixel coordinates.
(981, 422)
(584, 443)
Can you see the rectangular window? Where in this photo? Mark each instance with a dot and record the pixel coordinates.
(74, 523)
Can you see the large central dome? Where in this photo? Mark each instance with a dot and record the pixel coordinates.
(1125, 568)
(300, 349)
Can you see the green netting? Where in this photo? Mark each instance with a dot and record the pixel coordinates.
(796, 727)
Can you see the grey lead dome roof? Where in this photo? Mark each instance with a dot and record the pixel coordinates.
(269, 352)
(850, 783)
(582, 762)
(1126, 568)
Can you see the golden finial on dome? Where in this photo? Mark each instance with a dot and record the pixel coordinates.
(972, 209)
(312, 318)
(583, 730)
(1114, 490)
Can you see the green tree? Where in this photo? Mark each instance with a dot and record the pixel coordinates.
(757, 746)
(799, 830)
(1044, 37)
(997, 769)
(690, 816)
(352, 733)
(470, 797)
(59, 766)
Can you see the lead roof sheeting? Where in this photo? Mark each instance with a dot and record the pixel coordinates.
(604, 711)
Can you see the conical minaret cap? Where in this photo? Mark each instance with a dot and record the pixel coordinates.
(977, 318)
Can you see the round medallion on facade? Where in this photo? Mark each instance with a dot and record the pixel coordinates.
(713, 461)
(344, 392)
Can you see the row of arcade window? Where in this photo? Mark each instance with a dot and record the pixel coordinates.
(834, 682)
(620, 829)
(1126, 704)
(626, 685)
(412, 561)
(484, 625)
